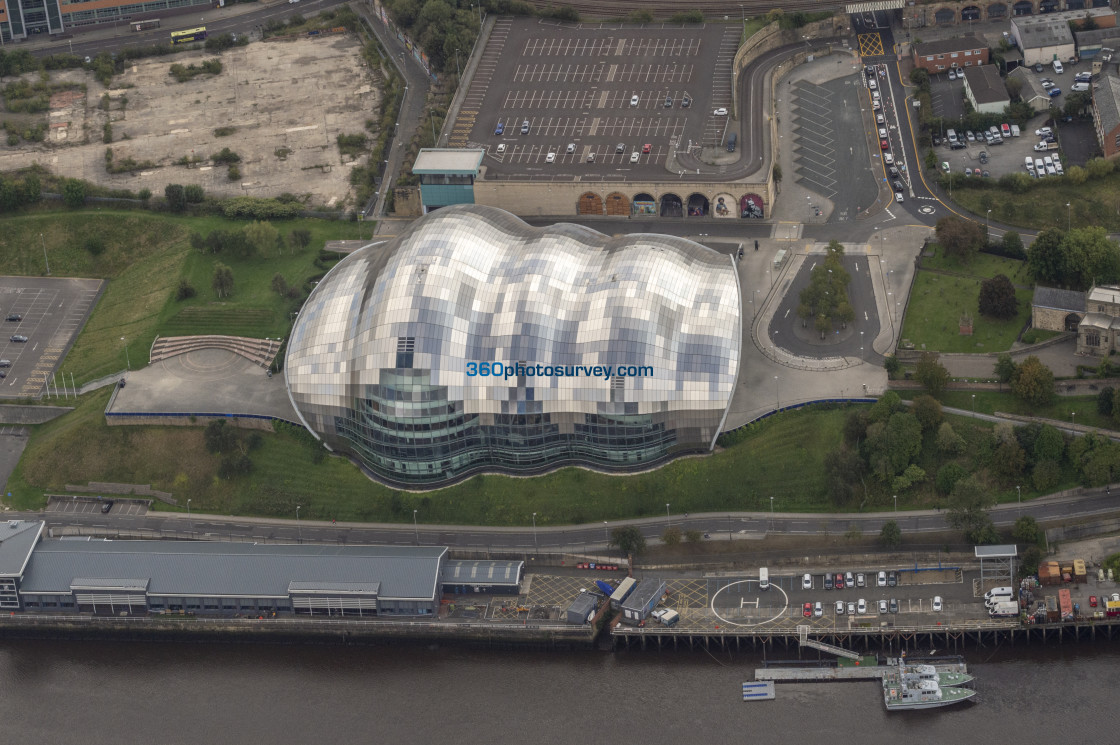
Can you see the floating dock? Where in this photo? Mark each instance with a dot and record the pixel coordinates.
(857, 670)
(760, 691)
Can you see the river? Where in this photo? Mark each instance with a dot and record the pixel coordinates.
(93, 693)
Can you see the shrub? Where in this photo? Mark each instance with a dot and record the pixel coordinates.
(107, 133)
(95, 244)
(234, 173)
(176, 197)
(144, 194)
(194, 193)
(224, 131)
(185, 290)
(225, 156)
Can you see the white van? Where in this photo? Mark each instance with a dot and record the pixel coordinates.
(997, 592)
(764, 579)
(669, 617)
(1058, 67)
(1015, 130)
(951, 135)
(1030, 163)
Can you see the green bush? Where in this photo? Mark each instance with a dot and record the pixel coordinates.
(225, 156)
(234, 172)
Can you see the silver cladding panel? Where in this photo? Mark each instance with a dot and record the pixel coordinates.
(473, 283)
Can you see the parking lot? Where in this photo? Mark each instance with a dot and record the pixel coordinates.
(52, 312)
(1009, 156)
(121, 507)
(553, 100)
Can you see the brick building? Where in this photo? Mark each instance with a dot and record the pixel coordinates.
(941, 54)
(1106, 114)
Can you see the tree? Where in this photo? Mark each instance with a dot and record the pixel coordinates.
(1046, 262)
(671, 536)
(968, 504)
(928, 411)
(1099, 167)
(890, 448)
(218, 437)
(997, 297)
(960, 238)
(1050, 444)
(1090, 257)
(932, 374)
(777, 173)
(1027, 531)
(1077, 102)
(193, 193)
(1005, 369)
(890, 536)
(1009, 462)
(1029, 561)
(262, 236)
(919, 76)
(893, 366)
(1046, 474)
(74, 193)
(144, 195)
(223, 280)
(185, 291)
(844, 470)
(176, 197)
(628, 539)
(1033, 382)
(948, 441)
(948, 476)
(1014, 86)
(279, 284)
(692, 536)
(1012, 245)
(299, 238)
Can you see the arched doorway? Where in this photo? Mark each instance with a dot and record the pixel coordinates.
(698, 205)
(1072, 321)
(997, 10)
(1048, 6)
(1075, 4)
(590, 204)
(751, 205)
(617, 204)
(1100, 3)
(1023, 8)
(672, 206)
(970, 13)
(944, 17)
(644, 204)
(725, 206)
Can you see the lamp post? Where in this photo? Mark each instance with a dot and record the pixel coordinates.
(744, 12)
(534, 531)
(1072, 414)
(45, 261)
(127, 364)
(299, 530)
(777, 395)
(668, 522)
(458, 73)
(988, 226)
(190, 520)
(479, 6)
(973, 403)
(1019, 495)
(771, 513)
(415, 527)
(606, 535)
(896, 503)
(1069, 219)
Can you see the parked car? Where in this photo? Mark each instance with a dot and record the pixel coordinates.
(807, 610)
(936, 141)
(5, 363)
(884, 145)
(18, 338)
(550, 158)
(861, 607)
(720, 112)
(668, 102)
(499, 129)
(14, 317)
(827, 581)
(839, 581)
(892, 579)
(1092, 601)
(883, 606)
(634, 156)
(501, 148)
(1005, 130)
(970, 135)
(851, 609)
(1080, 87)
(818, 611)
(807, 582)
(1043, 131)
(861, 580)
(839, 607)
(633, 100)
(620, 148)
(525, 127)
(108, 505)
(894, 605)
(937, 605)
(881, 579)
(646, 148)
(686, 102)
(888, 159)
(880, 120)
(872, 84)
(1054, 92)
(849, 580)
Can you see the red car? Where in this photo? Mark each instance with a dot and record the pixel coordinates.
(839, 581)
(1092, 601)
(884, 145)
(646, 148)
(808, 611)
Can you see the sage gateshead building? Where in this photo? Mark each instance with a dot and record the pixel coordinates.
(473, 342)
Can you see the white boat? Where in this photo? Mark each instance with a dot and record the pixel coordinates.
(922, 687)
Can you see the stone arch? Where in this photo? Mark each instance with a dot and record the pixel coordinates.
(590, 203)
(724, 205)
(617, 204)
(1072, 322)
(1075, 4)
(1100, 3)
(752, 205)
(970, 13)
(1023, 8)
(671, 205)
(945, 17)
(644, 204)
(698, 205)
(1049, 6)
(997, 10)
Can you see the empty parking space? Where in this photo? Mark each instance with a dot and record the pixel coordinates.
(816, 138)
(50, 314)
(593, 87)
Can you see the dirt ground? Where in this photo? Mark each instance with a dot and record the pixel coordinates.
(287, 95)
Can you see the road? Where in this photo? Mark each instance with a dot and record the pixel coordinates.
(1093, 503)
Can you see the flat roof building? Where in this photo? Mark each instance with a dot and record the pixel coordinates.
(642, 600)
(1043, 39)
(490, 577)
(985, 89)
(447, 176)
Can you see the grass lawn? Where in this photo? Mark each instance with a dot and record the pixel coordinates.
(984, 266)
(1096, 202)
(780, 457)
(144, 257)
(1084, 408)
(933, 314)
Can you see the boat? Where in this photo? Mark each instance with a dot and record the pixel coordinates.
(922, 687)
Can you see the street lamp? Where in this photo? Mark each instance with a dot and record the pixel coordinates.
(1069, 219)
(127, 364)
(973, 403)
(744, 12)
(299, 530)
(777, 396)
(189, 519)
(896, 503)
(988, 226)
(415, 528)
(45, 261)
(534, 531)
(771, 513)
(458, 74)
(1072, 414)
(606, 536)
(1019, 494)
(668, 522)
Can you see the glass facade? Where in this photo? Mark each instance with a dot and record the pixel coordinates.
(385, 361)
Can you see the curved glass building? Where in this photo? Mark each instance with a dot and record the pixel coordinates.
(474, 342)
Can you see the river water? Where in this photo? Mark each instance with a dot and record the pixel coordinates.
(92, 693)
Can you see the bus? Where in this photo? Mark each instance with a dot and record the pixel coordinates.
(142, 25)
(186, 37)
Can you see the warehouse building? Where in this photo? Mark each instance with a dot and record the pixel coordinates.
(1043, 40)
(985, 89)
(140, 577)
(642, 601)
(490, 577)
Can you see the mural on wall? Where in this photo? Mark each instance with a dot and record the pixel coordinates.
(750, 205)
(644, 204)
(722, 207)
